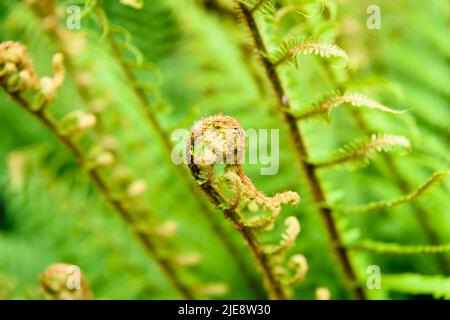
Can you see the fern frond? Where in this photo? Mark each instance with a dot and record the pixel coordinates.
(61, 281)
(324, 108)
(297, 45)
(288, 238)
(395, 248)
(299, 265)
(412, 283)
(219, 140)
(135, 4)
(413, 195)
(361, 152)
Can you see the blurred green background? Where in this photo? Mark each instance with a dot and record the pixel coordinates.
(50, 212)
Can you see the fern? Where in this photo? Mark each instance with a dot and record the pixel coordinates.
(296, 46)
(417, 284)
(135, 4)
(63, 281)
(297, 137)
(395, 248)
(412, 196)
(266, 8)
(137, 69)
(361, 152)
(220, 140)
(145, 104)
(324, 108)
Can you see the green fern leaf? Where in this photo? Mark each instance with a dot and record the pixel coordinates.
(298, 45)
(360, 153)
(264, 7)
(411, 283)
(324, 108)
(395, 248)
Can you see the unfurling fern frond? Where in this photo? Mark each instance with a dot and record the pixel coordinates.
(297, 45)
(411, 283)
(395, 248)
(62, 281)
(324, 108)
(220, 140)
(361, 152)
(413, 195)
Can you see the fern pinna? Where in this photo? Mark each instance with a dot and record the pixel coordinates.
(254, 19)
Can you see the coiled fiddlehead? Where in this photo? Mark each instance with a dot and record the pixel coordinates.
(220, 140)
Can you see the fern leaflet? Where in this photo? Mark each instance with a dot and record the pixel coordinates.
(395, 248)
(413, 195)
(324, 108)
(360, 153)
(297, 45)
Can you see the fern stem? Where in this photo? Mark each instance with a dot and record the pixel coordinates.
(150, 247)
(310, 170)
(205, 210)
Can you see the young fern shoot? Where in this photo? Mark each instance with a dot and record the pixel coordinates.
(214, 152)
(62, 281)
(147, 108)
(377, 206)
(360, 153)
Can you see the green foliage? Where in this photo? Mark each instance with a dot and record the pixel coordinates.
(394, 248)
(137, 70)
(361, 152)
(412, 196)
(333, 100)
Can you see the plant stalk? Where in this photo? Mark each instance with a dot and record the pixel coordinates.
(167, 144)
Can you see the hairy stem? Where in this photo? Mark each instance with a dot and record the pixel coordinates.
(310, 170)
